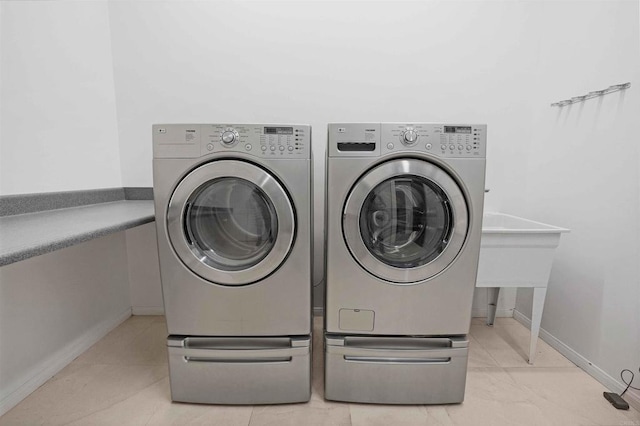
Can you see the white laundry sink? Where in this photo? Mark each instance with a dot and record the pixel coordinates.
(517, 252)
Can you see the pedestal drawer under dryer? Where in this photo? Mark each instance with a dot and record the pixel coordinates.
(395, 370)
(240, 370)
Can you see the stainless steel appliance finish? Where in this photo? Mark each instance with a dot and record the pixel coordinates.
(233, 219)
(396, 370)
(404, 218)
(239, 370)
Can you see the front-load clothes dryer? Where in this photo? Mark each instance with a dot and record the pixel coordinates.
(404, 219)
(233, 217)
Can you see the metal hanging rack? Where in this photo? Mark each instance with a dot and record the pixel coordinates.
(610, 89)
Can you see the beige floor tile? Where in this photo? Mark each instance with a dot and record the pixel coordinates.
(478, 355)
(507, 342)
(197, 414)
(384, 415)
(312, 413)
(498, 320)
(153, 406)
(437, 415)
(136, 342)
(80, 390)
(123, 380)
(493, 398)
(570, 396)
(317, 381)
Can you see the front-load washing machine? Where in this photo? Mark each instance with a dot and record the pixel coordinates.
(233, 217)
(404, 218)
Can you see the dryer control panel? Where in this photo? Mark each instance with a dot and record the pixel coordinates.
(273, 141)
(376, 139)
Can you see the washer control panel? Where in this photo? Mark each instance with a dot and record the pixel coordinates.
(443, 140)
(275, 141)
(375, 139)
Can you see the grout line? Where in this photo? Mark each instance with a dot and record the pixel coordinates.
(253, 407)
(485, 349)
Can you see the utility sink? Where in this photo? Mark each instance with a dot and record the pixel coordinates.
(517, 252)
(507, 224)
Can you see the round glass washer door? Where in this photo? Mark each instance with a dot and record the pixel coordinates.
(231, 222)
(405, 221)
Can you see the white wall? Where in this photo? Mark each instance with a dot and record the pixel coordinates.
(317, 62)
(144, 270)
(55, 306)
(58, 132)
(582, 172)
(57, 101)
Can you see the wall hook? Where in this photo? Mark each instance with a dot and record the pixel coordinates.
(610, 89)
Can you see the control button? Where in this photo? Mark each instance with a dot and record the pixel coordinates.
(460, 147)
(428, 146)
(390, 145)
(273, 147)
(210, 146)
(451, 147)
(248, 147)
(443, 147)
(263, 147)
(281, 147)
(468, 147)
(290, 148)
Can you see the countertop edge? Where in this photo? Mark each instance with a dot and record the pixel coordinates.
(22, 253)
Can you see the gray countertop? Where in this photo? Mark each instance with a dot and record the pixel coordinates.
(28, 235)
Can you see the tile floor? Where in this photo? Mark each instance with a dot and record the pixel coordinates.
(123, 380)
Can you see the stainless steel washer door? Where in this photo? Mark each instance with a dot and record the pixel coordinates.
(405, 221)
(231, 222)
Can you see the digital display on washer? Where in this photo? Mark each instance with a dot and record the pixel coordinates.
(278, 130)
(457, 129)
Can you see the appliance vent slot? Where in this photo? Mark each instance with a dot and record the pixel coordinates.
(356, 146)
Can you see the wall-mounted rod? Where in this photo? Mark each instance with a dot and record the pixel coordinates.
(593, 94)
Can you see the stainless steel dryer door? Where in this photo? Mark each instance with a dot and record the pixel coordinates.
(231, 222)
(405, 221)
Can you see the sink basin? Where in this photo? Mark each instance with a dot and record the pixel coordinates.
(516, 252)
(501, 223)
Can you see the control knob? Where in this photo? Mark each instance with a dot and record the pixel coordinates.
(229, 136)
(409, 137)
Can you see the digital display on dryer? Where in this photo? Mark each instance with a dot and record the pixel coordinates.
(457, 129)
(278, 130)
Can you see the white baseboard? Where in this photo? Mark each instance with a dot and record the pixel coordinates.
(632, 397)
(49, 367)
(500, 313)
(147, 310)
